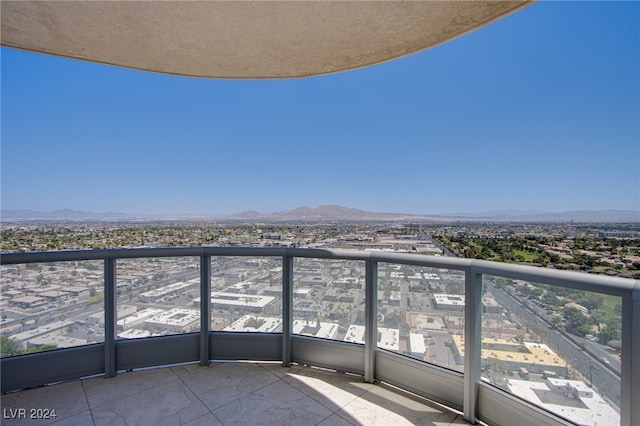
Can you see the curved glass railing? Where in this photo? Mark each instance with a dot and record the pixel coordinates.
(499, 342)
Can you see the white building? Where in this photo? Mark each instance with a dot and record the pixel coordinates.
(325, 330)
(177, 320)
(135, 333)
(97, 319)
(388, 338)
(591, 409)
(450, 302)
(417, 347)
(254, 324)
(244, 287)
(355, 334)
(253, 303)
(167, 291)
(298, 292)
(137, 318)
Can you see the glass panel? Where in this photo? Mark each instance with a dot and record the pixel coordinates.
(554, 347)
(421, 313)
(328, 299)
(246, 294)
(47, 306)
(158, 296)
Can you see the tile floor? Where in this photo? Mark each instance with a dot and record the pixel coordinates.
(225, 394)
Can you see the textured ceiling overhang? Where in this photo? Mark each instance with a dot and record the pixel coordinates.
(242, 40)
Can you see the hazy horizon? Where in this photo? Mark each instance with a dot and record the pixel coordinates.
(537, 112)
(340, 213)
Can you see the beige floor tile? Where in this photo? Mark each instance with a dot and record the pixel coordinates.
(102, 391)
(384, 405)
(333, 390)
(82, 419)
(206, 420)
(275, 404)
(237, 393)
(188, 369)
(223, 383)
(58, 402)
(278, 370)
(337, 420)
(170, 403)
(457, 421)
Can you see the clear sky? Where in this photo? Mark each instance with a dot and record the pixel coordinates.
(539, 111)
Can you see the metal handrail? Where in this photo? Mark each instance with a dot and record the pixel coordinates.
(628, 290)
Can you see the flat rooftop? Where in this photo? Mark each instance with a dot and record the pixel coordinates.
(593, 410)
(236, 299)
(229, 394)
(510, 351)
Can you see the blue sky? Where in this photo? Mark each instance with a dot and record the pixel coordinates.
(539, 111)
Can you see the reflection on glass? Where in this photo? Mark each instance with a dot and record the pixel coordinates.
(49, 306)
(157, 297)
(556, 348)
(328, 299)
(421, 313)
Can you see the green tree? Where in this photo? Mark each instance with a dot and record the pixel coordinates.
(97, 299)
(551, 299)
(9, 346)
(577, 323)
(618, 308)
(608, 334)
(591, 301)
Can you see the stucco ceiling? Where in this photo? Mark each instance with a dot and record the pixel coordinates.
(242, 40)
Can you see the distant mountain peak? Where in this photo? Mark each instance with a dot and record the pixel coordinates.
(333, 212)
(327, 212)
(336, 213)
(60, 214)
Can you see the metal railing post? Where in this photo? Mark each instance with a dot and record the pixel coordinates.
(205, 308)
(371, 320)
(287, 309)
(630, 365)
(472, 343)
(110, 317)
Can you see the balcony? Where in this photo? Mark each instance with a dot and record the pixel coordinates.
(229, 393)
(454, 331)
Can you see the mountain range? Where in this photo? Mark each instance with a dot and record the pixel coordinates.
(334, 213)
(331, 213)
(24, 214)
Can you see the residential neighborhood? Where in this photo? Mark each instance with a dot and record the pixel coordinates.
(529, 331)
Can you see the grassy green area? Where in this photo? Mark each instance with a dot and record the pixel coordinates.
(610, 305)
(611, 302)
(608, 308)
(528, 256)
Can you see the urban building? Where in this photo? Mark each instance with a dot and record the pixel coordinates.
(572, 399)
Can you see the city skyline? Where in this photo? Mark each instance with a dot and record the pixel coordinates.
(537, 112)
